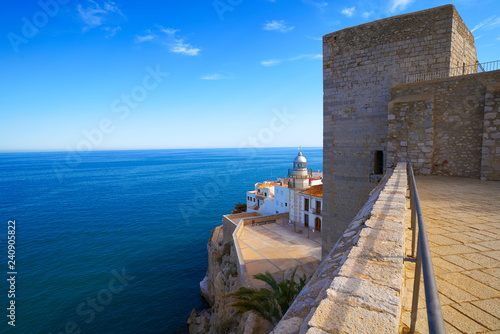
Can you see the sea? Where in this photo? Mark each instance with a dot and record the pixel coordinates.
(116, 241)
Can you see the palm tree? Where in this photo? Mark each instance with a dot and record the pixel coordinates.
(270, 304)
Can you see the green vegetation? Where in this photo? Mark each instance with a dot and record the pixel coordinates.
(271, 304)
(239, 208)
(232, 270)
(227, 248)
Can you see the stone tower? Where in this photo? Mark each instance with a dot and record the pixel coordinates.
(360, 65)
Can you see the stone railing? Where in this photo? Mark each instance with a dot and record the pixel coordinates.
(358, 287)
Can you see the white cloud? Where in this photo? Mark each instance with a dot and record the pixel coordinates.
(215, 76)
(169, 31)
(367, 14)
(184, 48)
(399, 5)
(491, 22)
(315, 38)
(111, 31)
(94, 14)
(280, 26)
(321, 6)
(349, 12)
(271, 62)
(141, 39)
(274, 62)
(169, 38)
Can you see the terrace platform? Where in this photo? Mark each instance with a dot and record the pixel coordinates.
(277, 248)
(462, 217)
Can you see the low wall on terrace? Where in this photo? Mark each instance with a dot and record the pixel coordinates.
(358, 287)
(230, 222)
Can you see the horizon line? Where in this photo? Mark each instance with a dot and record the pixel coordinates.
(148, 149)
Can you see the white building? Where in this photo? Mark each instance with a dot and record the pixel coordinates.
(300, 194)
(262, 199)
(310, 204)
(281, 196)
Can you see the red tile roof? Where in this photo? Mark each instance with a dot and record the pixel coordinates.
(314, 191)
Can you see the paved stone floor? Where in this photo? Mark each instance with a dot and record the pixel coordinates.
(276, 248)
(463, 226)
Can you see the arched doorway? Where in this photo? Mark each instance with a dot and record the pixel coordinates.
(317, 224)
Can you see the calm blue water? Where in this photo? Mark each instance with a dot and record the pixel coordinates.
(142, 216)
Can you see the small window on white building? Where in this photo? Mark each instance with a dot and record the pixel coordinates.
(286, 204)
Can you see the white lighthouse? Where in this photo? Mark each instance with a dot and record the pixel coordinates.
(300, 177)
(300, 194)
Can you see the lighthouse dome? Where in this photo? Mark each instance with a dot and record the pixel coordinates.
(300, 159)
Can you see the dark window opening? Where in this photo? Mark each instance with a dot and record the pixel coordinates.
(306, 204)
(306, 220)
(378, 167)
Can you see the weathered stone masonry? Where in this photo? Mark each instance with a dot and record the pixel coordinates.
(447, 126)
(360, 65)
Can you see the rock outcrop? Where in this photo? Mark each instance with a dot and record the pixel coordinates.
(221, 279)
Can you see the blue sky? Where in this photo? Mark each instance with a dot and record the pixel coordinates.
(97, 75)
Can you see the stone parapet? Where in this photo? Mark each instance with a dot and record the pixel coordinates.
(230, 222)
(358, 287)
(242, 269)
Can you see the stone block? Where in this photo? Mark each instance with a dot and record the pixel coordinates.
(334, 317)
(488, 143)
(378, 254)
(314, 330)
(378, 235)
(381, 248)
(382, 273)
(289, 326)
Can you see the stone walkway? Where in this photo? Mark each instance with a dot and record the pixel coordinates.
(463, 226)
(277, 248)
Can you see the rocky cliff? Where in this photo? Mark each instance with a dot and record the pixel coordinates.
(222, 278)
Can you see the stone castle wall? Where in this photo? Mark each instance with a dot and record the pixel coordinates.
(463, 49)
(490, 158)
(360, 65)
(447, 126)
